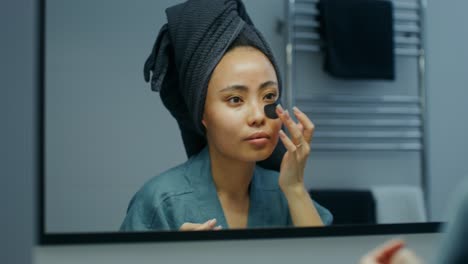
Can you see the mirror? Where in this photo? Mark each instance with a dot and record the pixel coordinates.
(107, 133)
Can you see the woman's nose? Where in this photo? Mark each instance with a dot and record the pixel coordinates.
(256, 115)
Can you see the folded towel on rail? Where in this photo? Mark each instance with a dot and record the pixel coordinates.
(399, 204)
(358, 37)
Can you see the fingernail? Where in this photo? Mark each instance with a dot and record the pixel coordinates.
(286, 113)
(281, 133)
(212, 221)
(280, 108)
(295, 109)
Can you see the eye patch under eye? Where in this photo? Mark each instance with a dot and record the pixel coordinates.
(270, 110)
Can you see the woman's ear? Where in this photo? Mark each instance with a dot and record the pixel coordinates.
(203, 121)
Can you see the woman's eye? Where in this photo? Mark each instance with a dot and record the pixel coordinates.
(234, 100)
(270, 96)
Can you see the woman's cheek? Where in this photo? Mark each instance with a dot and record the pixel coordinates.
(275, 128)
(276, 125)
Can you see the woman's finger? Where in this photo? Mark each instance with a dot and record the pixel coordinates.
(188, 226)
(301, 128)
(388, 252)
(294, 131)
(309, 127)
(384, 253)
(208, 225)
(405, 256)
(290, 146)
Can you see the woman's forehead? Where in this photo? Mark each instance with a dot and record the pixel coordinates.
(244, 67)
(244, 88)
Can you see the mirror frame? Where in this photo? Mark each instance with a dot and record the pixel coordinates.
(171, 236)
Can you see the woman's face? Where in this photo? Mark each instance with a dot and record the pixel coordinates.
(241, 85)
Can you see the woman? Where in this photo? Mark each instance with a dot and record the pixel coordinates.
(216, 74)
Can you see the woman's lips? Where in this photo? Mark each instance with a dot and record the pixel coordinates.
(258, 142)
(258, 139)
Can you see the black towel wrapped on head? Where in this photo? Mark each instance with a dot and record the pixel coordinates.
(358, 38)
(187, 49)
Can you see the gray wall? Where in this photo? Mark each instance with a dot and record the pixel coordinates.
(17, 130)
(107, 132)
(447, 77)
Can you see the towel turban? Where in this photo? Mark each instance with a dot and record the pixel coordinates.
(186, 51)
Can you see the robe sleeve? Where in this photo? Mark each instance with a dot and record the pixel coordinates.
(145, 213)
(325, 214)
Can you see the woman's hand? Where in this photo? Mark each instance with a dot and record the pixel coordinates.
(208, 225)
(392, 252)
(291, 177)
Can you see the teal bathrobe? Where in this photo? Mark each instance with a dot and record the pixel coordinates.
(187, 193)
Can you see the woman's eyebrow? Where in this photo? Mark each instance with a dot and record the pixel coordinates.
(267, 84)
(235, 87)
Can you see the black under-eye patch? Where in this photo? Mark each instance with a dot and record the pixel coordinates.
(270, 111)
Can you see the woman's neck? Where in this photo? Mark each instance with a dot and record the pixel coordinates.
(231, 177)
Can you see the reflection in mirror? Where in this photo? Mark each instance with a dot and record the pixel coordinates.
(116, 151)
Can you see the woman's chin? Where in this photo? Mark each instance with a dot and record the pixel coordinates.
(261, 154)
(251, 154)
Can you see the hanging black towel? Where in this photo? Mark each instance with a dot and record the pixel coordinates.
(358, 37)
(347, 206)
